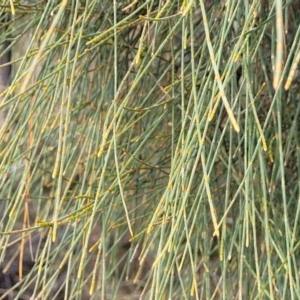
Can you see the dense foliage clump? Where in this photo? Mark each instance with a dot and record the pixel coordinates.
(149, 149)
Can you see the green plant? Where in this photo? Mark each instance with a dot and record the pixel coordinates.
(150, 150)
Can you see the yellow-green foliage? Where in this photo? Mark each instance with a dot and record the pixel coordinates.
(150, 150)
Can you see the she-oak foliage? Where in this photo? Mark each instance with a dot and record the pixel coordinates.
(149, 149)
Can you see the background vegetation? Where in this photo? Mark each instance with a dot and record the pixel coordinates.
(150, 150)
